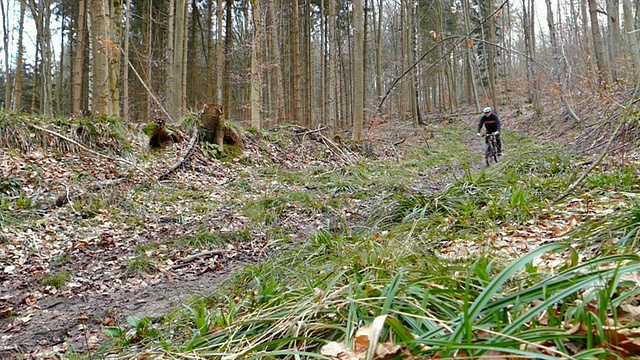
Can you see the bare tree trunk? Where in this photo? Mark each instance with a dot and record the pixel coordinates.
(276, 58)
(220, 56)
(7, 67)
(114, 33)
(256, 51)
(36, 82)
(91, 60)
(604, 73)
(332, 120)
(528, 27)
(297, 66)
(379, 89)
(192, 54)
(403, 58)
(178, 58)
(125, 65)
(209, 83)
(185, 44)
(42, 15)
(171, 43)
(413, 100)
(358, 70)
(308, 89)
(587, 34)
(100, 35)
(615, 38)
(469, 59)
(632, 39)
(491, 55)
(17, 96)
(228, 44)
(59, 101)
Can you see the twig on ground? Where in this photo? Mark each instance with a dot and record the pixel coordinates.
(185, 261)
(185, 157)
(311, 131)
(401, 141)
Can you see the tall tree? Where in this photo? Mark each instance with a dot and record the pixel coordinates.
(358, 70)
(7, 65)
(632, 39)
(210, 81)
(171, 43)
(256, 66)
(332, 68)
(100, 66)
(604, 73)
(17, 96)
(378, 47)
(41, 11)
(296, 63)
(615, 38)
(125, 66)
(220, 55)
(528, 25)
(228, 49)
(114, 32)
(277, 84)
(178, 58)
(78, 64)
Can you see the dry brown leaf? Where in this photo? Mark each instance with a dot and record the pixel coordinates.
(361, 345)
(5, 311)
(338, 351)
(387, 350)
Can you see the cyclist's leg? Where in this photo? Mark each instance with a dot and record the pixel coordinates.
(499, 144)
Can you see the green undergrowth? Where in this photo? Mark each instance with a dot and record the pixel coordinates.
(378, 262)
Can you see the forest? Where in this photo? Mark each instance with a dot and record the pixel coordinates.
(245, 179)
(315, 63)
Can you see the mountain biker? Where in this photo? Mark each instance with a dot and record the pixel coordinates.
(491, 123)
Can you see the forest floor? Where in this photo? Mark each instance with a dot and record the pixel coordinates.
(135, 249)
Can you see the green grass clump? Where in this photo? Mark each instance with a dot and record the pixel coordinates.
(57, 280)
(140, 266)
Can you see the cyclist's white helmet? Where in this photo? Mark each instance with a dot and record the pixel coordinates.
(486, 110)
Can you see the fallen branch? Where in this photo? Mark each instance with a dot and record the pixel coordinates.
(185, 157)
(336, 150)
(185, 261)
(401, 141)
(311, 131)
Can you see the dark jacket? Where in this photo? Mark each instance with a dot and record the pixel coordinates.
(491, 123)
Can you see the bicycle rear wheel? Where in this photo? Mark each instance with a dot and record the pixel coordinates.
(490, 154)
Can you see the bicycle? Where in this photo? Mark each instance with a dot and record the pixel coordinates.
(492, 149)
